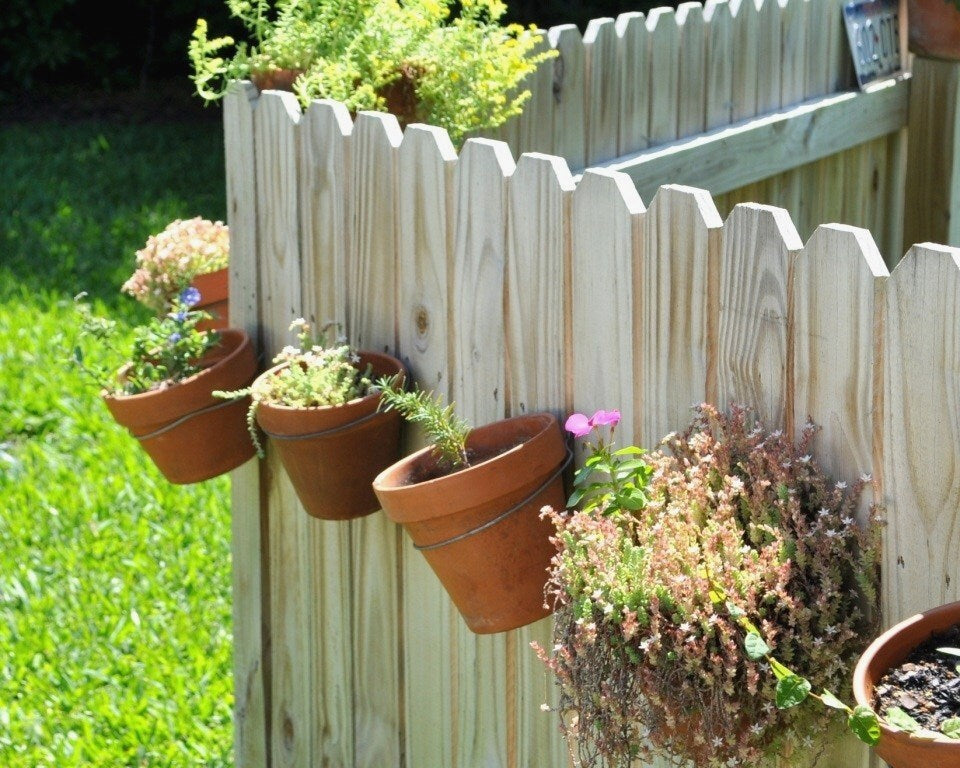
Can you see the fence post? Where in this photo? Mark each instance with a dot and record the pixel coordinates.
(932, 201)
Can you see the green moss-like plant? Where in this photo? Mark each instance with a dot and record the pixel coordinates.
(415, 58)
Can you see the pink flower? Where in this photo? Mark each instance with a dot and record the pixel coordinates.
(605, 418)
(578, 425)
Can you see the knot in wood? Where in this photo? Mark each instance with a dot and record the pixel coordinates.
(422, 320)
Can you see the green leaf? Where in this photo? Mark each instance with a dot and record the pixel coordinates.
(951, 728)
(630, 450)
(631, 502)
(951, 651)
(735, 611)
(755, 645)
(780, 670)
(630, 466)
(900, 719)
(832, 701)
(575, 497)
(791, 690)
(864, 723)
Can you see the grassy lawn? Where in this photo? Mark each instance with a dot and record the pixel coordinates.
(115, 635)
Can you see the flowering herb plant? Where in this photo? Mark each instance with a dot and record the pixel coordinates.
(172, 258)
(418, 59)
(165, 351)
(314, 374)
(738, 525)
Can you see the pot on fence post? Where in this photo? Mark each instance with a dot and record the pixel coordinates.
(480, 528)
(214, 298)
(332, 453)
(899, 748)
(934, 28)
(188, 433)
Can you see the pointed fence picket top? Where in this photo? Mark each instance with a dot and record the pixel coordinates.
(692, 49)
(921, 435)
(426, 206)
(664, 72)
(719, 63)
(569, 127)
(538, 247)
(634, 112)
(674, 347)
(603, 90)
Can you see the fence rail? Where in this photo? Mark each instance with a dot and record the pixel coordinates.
(514, 286)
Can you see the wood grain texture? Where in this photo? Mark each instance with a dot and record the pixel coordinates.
(569, 93)
(603, 90)
(634, 109)
(664, 74)
(426, 206)
(250, 681)
(485, 717)
(538, 242)
(535, 125)
(753, 366)
(291, 718)
(324, 214)
(371, 324)
(745, 59)
(719, 64)
(921, 440)
(677, 275)
(691, 78)
(607, 230)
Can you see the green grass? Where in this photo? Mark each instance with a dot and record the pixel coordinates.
(115, 636)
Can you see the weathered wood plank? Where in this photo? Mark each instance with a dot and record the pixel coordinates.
(719, 64)
(569, 93)
(921, 435)
(276, 147)
(485, 689)
(692, 50)
(753, 365)
(603, 90)
(426, 205)
(371, 324)
(664, 74)
(250, 680)
(680, 259)
(632, 37)
(535, 125)
(538, 242)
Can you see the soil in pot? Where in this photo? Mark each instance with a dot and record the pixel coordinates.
(927, 685)
(480, 528)
(333, 453)
(188, 433)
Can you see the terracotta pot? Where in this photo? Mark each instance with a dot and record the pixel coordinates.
(898, 748)
(190, 434)
(332, 453)
(214, 298)
(934, 28)
(275, 79)
(480, 528)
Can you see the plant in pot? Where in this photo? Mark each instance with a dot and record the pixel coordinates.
(934, 28)
(162, 391)
(650, 583)
(319, 407)
(470, 502)
(419, 60)
(187, 252)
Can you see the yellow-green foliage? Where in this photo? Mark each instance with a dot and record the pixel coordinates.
(466, 70)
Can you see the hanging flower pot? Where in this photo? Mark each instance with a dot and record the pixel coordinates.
(896, 746)
(214, 298)
(332, 453)
(190, 434)
(480, 527)
(934, 27)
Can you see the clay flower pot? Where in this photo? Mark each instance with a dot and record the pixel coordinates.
(480, 528)
(332, 453)
(899, 748)
(275, 79)
(214, 298)
(190, 434)
(934, 28)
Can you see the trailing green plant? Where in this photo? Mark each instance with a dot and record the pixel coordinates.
(171, 259)
(649, 663)
(414, 58)
(315, 374)
(164, 352)
(446, 431)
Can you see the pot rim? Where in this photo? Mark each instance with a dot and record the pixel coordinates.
(863, 687)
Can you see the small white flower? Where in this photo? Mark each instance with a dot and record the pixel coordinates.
(756, 729)
(806, 459)
(717, 742)
(817, 642)
(831, 534)
(841, 485)
(686, 627)
(830, 630)
(544, 707)
(823, 512)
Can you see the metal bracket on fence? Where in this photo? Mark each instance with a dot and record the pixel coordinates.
(503, 515)
(182, 419)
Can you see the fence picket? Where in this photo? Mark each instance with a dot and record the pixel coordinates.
(719, 63)
(535, 127)
(251, 698)
(921, 432)
(603, 90)
(537, 254)
(371, 324)
(486, 710)
(426, 207)
(634, 63)
(692, 49)
(569, 93)
(664, 74)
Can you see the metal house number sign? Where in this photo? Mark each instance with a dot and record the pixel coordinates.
(873, 31)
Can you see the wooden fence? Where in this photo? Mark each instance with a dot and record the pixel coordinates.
(513, 287)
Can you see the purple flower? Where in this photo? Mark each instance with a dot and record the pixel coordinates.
(180, 316)
(173, 338)
(605, 418)
(578, 425)
(190, 296)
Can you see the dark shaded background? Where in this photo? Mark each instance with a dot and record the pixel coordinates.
(87, 53)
